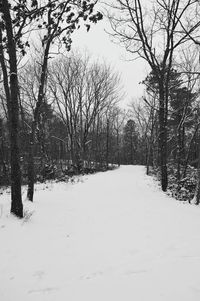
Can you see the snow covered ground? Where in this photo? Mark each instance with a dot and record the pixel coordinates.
(113, 236)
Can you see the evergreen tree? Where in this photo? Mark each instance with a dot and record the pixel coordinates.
(130, 142)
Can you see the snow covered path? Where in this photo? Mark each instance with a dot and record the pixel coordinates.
(112, 237)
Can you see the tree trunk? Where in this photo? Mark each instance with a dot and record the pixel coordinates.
(179, 140)
(2, 155)
(13, 109)
(31, 170)
(40, 98)
(118, 148)
(148, 150)
(107, 143)
(72, 155)
(162, 142)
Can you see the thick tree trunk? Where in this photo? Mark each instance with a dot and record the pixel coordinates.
(16, 199)
(2, 155)
(162, 143)
(13, 109)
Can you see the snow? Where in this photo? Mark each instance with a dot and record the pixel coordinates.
(109, 236)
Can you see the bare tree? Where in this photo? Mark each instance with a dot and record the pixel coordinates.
(82, 90)
(58, 22)
(18, 19)
(145, 113)
(153, 31)
(10, 80)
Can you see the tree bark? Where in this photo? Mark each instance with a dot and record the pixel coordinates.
(31, 173)
(12, 93)
(162, 143)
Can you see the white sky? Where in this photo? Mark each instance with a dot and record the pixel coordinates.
(100, 46)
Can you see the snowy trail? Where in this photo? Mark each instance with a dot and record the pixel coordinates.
(115, 236)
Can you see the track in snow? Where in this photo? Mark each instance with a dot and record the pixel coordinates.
(112, 237)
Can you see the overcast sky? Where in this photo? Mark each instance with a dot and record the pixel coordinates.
(99, 44)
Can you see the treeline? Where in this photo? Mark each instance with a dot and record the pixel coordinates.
(80, 127)
(59, 113)
(183, 133)
(51, 24)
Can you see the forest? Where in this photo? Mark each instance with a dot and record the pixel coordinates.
(61, 112)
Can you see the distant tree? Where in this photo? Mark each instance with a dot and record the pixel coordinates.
(82, 91)
(130, 142)
(145, 114)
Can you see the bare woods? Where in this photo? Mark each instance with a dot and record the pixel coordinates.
(59, 110)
